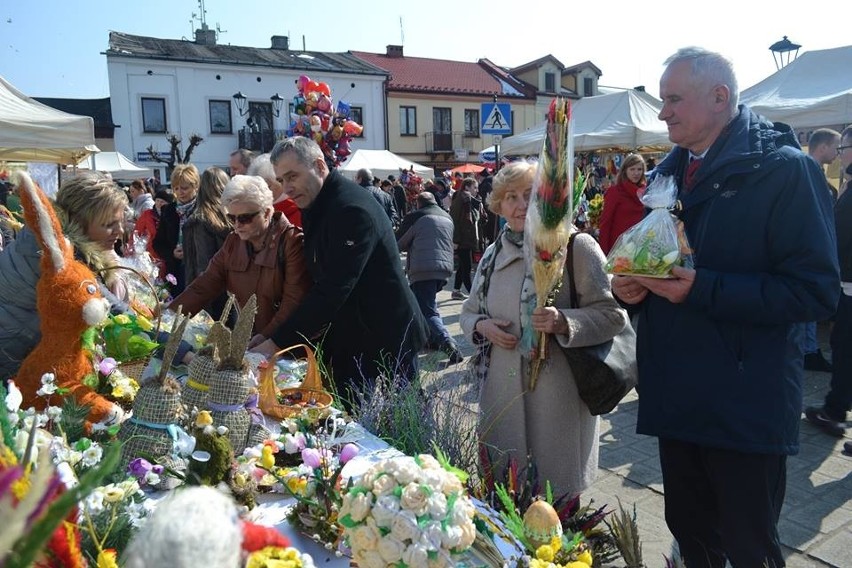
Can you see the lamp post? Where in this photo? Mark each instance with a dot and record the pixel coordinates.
(240, 100)
(781, 51)
(277, 101)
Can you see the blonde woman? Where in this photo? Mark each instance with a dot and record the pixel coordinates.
(500, 318)
(91, 208)
(168, 242)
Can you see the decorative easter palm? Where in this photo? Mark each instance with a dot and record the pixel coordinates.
(548, 223)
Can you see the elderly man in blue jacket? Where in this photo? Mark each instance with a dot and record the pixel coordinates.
(719, 351)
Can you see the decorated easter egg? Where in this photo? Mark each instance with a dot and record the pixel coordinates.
(541, 523)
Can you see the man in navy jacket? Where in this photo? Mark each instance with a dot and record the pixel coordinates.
(360, 306)
(718, 347)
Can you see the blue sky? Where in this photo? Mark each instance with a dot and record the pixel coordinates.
(53, 48)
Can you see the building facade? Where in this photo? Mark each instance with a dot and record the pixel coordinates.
(163, 87)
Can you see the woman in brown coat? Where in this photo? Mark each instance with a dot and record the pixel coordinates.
(263, 256)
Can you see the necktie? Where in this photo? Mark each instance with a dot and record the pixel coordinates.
(693, 166)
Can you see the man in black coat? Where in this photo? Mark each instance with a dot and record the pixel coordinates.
(360, 307)
(364, 178)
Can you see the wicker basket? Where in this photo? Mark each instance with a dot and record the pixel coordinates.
(310, 388)
(136, 367)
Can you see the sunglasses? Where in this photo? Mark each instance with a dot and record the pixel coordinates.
(840, 149)
(242, 219)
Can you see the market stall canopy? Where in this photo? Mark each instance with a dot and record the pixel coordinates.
(117, 164)
(33, 132)
(814, 90)
(382, 163)
(468, 169)
(625, 120)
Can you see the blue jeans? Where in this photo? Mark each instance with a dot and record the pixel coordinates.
(838, 401)
(425, 292)
(809, 338)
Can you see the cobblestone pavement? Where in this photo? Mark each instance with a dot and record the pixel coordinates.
(816, 521)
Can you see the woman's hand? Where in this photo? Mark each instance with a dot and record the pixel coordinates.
(492, 330)
(549, 320)
(256, 340)
(267, 348)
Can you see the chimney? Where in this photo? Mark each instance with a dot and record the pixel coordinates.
(205, 36)
(280, 42)
(394, 51)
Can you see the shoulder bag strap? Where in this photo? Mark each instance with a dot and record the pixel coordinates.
(569, 264)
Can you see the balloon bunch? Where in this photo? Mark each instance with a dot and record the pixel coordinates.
(316, 117)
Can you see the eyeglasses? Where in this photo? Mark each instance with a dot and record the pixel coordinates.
(242, 219)
(840, 149)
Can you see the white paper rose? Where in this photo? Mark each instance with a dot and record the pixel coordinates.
(385, 509)
(365, 537)
(383, 485)
(436, 506)
(429, 462)
(391, 549)
(451, 484)
(368, 558)
(451, 537)
(416, 556)
(414, 498)
(360, 506)
(462, 512)
(431, 536)
(406, 470)
(404, 527)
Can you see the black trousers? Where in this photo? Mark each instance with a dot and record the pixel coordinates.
(838, 401)
(722, 504)
(465, 265)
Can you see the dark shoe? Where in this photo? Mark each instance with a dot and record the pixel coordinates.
(817, 362)
(457, 295)
(847, 448)
(818, 418)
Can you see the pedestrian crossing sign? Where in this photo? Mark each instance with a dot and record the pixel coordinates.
(496, 118)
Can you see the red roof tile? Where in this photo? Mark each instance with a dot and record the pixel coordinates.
(423, 75)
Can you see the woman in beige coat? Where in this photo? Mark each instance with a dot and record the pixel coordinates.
(551, 423)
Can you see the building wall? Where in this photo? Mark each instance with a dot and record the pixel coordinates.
(188, 87)
(416, 147)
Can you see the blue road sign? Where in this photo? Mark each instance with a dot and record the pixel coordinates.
(496, 118)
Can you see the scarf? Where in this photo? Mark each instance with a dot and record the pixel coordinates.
(184, 211)
(482, 359)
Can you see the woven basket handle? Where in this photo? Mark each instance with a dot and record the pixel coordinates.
(158, 312)
(312, 377)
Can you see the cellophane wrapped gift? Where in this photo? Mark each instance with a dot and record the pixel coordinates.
(656, 243)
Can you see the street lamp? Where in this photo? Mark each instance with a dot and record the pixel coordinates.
(240, 100)
(781, 51)
(277, 100)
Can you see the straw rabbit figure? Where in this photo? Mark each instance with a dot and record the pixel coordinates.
(153, 432)
(231, 384)
(197, 388)
(69, 301)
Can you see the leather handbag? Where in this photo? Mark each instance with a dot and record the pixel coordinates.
(604, 373)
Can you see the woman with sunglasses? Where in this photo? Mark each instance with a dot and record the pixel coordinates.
(262, 256)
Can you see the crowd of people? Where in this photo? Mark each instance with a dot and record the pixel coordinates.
(721, 347)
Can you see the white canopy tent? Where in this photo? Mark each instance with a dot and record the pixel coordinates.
(117, 164)
(382, 163)
(622, 120)
(814, 90)
(33, 132)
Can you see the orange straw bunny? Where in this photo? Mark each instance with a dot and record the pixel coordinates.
(69, 301)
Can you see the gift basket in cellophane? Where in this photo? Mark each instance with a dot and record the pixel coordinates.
(656, 243)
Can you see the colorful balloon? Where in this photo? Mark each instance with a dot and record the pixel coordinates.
(302, 83)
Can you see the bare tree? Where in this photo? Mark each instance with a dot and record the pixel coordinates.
(176, 156)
